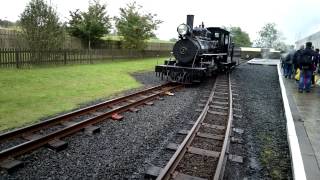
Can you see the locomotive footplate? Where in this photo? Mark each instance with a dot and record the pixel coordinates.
(180, 74)
(226, 66)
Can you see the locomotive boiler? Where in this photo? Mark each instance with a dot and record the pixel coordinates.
(199, 52)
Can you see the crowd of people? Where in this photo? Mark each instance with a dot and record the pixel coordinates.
(303, 65)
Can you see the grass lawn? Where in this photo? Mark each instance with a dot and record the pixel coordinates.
(29, 94)
(118, 38)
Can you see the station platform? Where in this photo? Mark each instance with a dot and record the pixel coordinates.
(306, 116)
(303, 124)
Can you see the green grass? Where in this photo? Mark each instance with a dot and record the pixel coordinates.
(29, 94)
(158, 41)
(15, 27)
(271, 156)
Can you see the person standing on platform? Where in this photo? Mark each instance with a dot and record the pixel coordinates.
(282, 61)
(306, 68)
(317, 59)
(296, 58)
(288, 64)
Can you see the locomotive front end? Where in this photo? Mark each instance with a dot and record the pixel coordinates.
(185, 50)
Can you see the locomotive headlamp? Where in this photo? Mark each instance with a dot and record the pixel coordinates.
(183, 29)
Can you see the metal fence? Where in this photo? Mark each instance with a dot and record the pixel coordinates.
(23, 58)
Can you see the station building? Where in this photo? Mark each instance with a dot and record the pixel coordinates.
(314, 38)
(253, 52)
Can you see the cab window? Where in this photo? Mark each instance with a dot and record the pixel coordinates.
(226, 40)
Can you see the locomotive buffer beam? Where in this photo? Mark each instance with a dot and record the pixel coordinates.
(176, 73)
(215, 54)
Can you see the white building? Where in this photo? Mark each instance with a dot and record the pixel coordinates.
(314, 38)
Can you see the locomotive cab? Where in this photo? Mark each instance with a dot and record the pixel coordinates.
(225, 47)
(222, 37)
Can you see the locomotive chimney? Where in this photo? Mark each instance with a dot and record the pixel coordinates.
(190, 21)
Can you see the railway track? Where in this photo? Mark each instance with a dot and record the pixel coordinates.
(50, 132)
(204, 151)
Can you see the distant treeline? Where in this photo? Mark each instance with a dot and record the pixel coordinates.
(12, 39)
(6, 24)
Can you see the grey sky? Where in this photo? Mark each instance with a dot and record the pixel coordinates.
(294, 18)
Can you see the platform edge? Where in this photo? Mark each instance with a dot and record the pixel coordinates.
(295, 152)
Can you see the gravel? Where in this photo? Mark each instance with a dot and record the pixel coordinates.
(265, 149)
(123, 149)
(196, 165)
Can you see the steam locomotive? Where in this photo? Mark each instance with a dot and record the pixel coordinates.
(198, 53)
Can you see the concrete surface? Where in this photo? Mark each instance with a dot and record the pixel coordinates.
(264, 61)
(306, 116)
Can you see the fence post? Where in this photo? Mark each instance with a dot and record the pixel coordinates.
(90, 55)
(17, 58)
(65, 56)
(111, 53)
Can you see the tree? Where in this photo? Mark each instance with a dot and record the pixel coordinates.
(90, 26)
(269, 36)
(240, 38)
(283, 47)
(135, 27)
(41, 27)
(5, 23)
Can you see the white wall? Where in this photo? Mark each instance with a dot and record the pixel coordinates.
(314, 38)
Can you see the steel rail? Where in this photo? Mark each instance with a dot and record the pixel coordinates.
(168, 171)
(65, 117)
(38, 142)
(222, 159)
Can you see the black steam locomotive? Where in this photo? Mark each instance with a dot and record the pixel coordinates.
(199, 52)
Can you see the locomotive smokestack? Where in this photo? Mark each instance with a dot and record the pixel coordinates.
(190, 21)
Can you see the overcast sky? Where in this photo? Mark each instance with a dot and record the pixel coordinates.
(294, 18)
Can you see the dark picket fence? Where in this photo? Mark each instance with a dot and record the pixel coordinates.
(21, 58)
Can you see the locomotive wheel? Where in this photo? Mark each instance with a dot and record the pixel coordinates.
(181, 77)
